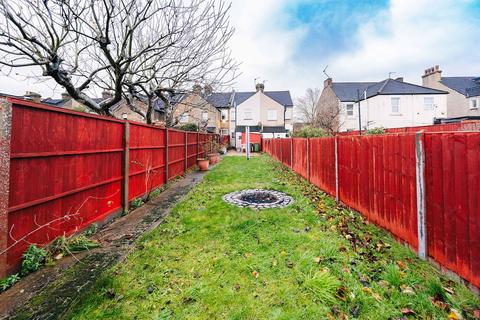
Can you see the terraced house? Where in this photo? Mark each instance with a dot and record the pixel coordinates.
(268, 113)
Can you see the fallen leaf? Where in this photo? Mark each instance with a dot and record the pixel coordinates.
(449, 290)
(376, 296)
(283, 253)
(407, 311)
(317, 260)
(255, 274)
(367, 290)
(237, 287)
(407, 290)
(290, 264)
(455, 314)
(402, 265)
(476, 313)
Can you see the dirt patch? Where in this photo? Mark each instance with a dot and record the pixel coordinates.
(51, 291)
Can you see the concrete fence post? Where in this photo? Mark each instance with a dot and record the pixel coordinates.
(420, 184)
(5, 140)
(337, 197)
(166, 155)
(126, 165)
(198, 144)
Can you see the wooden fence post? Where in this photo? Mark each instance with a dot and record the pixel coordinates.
(5, 140)
(420, 183)
(186, 152)
(337, 197)
(308, 159)
(166, 155)
(126, 165)
(291, 152)
(198, 144)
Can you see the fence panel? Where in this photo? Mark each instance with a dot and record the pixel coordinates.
(66, 170)
(61, 164)
(322, 163)
(453, 195)
(300, 162)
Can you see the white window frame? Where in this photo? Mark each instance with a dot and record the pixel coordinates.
(350, 113)
(430, 105)
(272, 115)
(473, 103)
(183, 118)
(392, 105)
(205, 116)
(248, 115)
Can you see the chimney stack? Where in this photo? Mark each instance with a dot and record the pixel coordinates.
(197, 88)
(431, 75)
(327, 82)
(33, 96)
(107, 95)
(260, 86)
(207, 89)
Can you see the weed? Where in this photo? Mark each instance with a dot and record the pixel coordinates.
(66, 246)
(91, 230)
(322, 286)
(33, 259)
(137, 203)
(8, 282)
(392, 275)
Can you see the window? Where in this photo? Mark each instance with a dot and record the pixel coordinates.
(224, 132)
(350, 109)
(473, 104)
(395, 105)
(428, 103)
(248, 115)
(205, 116)
(272, 115)
(183, 118)
(224, 115)
(233, 135)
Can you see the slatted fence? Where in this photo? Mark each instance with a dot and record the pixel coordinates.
(69, 169)
(377, 175)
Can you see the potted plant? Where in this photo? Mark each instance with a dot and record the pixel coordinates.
(212, 148)
(203, 164)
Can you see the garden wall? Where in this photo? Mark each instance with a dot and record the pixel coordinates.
(396, 180)
(69, 169)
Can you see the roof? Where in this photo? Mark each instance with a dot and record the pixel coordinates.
(354, 91)
(459, 84)
(282, 97)
(274, 129)
(394, 87)
(279, 129)
(220, 99)
(473, 91)
(55, 102)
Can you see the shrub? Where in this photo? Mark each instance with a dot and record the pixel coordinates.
(375, 131)
(310, 132)
(188, 127)
(33, 259)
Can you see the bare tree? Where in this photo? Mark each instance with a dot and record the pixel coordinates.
(141, 50)
(328, 117)
(307, 106)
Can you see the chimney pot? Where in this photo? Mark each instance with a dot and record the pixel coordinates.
(197, 88)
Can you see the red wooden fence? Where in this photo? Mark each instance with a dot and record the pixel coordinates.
(377, 177)
(67, 170)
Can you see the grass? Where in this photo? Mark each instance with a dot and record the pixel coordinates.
(311, 260)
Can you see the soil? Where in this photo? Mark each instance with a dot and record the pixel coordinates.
(51, 291)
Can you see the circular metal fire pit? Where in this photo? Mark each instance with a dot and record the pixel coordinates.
(258, 199)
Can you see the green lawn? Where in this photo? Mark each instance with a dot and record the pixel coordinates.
(311, 260)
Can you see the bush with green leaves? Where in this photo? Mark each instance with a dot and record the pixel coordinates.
(188, 127)
(375, 131)
(33, 259)
(8, 282)
(310, 132)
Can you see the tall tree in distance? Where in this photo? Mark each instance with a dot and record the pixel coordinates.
(307, 106)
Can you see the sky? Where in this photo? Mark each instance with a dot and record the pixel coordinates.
(288, 43)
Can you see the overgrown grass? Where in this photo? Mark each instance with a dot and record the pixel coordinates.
(311, 260)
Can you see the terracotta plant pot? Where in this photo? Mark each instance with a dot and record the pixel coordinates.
(203, 164)
(214, 157)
